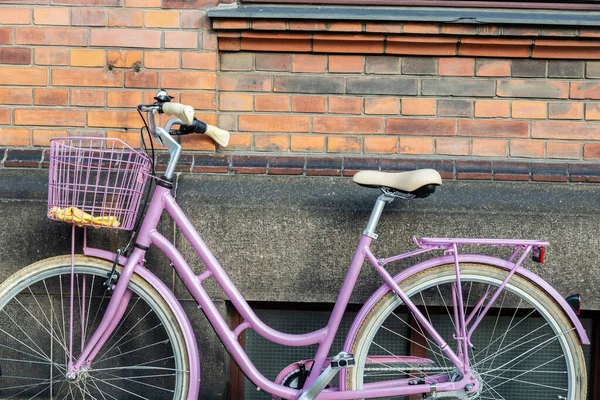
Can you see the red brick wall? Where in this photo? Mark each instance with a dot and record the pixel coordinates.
(300, 87)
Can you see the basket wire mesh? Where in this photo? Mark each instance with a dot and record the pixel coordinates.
(96, 182)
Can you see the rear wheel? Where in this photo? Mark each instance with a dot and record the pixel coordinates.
(524, 348)
(145, 358)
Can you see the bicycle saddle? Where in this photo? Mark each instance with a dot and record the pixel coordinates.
(420, 182)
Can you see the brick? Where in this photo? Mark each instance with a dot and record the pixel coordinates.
(343, 144)
(88, 17)
(23, 158)
(181, 40)
(494, 47)
(188, 80)
(592, 111)
(444, 167)
(245, 82)
(124, 98)
(456, 66)
(307, 143)
(493, 128)
(88, 58)
(15, 96)
(161, 59)
(349, 44)
(348, 125)
(324, 166)
(421, 46)
(421, 28)
(114, 119)
(452, 146)
(381, 145)
(385, 105)
(86, 77)
(492, 109)
(126, 18)
(51, 36)
(309, 84)
(23, 76)
(87, 98)
(591, 151)
(143, 79)
(249, 164)
(585, 90)
(418, 107)
(528, 89)
(528, 68)
(382, 27)
(51, 97)
(271, 102)
(308, 104)
(382, 65)
(273, 62)
(584, 172)
(125, 38)
(191, 20)
(286, 165)
(131, 138)
(526, 148)
(6, 36)
(273, 123)
(306, 26)
(162, 19)
(419, 66)
(230, 44)
(15, 137)
(529, 109)
(511, 171)
(237, 62)
(592, 69)
(51, 16)
(88, 3)
(565, 130)
(277, 43)
(310, 63)
(205, 61)
(232, 24)
(346, 64)
(417, 146)
(420, 127)
(398, 164)
(474, 170)
(51, 56)
(191, 4)
(564, 150)
(489, 148)
(269, 25)
(566, 69)
(240, 142)
(41, 117)
(271, 142)
(200, 101)
(15, 16)
(354, 164)
(381, 85)
(457, 87)
(549, 172)
(5, 118)
(565, 110)
(345, 105)
(235, 102)
(455, 108)
(455, 29)
(490, 67)
(41, 137)
(345, 26)
(124, 58)
(15, 56)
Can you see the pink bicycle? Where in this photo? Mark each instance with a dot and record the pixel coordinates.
(102, 326)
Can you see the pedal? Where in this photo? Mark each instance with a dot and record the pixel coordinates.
(342, 360)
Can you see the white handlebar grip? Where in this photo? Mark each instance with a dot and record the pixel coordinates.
(221, 136)
(181, 111)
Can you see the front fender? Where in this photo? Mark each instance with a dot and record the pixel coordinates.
(178, 311)
(473, 258)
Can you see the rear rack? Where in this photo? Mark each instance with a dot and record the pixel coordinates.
(447, 243)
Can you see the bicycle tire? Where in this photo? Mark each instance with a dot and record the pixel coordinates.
(549, 342)
(145, 357)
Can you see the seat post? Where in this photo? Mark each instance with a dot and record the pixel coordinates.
(376, 213)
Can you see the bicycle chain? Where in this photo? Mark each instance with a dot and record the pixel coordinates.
(407, 369)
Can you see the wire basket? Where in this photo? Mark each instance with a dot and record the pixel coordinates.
(96, 182)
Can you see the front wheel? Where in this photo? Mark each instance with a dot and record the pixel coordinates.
(145, 358)
(524, 348)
